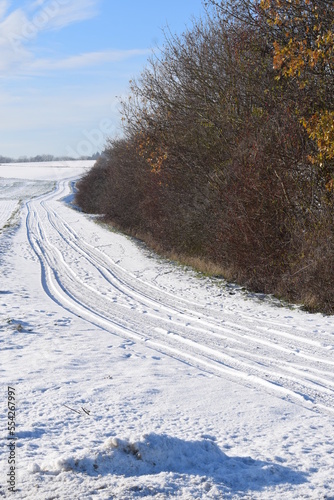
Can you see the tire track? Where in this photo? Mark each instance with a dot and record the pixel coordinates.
(186, 314)
(256, 356)
(223, 330)
(128, 283)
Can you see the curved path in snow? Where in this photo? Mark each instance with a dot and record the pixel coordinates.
(288, 360)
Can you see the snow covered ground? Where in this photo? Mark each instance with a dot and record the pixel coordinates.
(135, 378)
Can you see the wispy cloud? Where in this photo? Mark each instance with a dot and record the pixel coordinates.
(41, 95)
(4, 4)
(13, 51)
(22, 26)
(85, 60)
(71, 11)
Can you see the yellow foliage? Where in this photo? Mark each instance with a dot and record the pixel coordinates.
(295, 54)
(330, 185)
(153, 155)
(320, 128)
(297, 58)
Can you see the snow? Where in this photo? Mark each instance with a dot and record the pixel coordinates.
(136, 378)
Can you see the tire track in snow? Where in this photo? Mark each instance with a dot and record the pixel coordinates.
(190, 335)
(100, 260)
(128, 284)
(146, 300)
(161, 296)
(126, 290)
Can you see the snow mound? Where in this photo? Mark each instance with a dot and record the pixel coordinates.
(154, 454)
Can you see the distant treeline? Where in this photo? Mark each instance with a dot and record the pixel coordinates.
(40, 158)
(227, 158)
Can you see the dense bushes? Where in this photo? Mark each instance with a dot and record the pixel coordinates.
(226, 155)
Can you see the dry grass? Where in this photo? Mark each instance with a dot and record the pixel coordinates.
(200, 264)
(311, 302)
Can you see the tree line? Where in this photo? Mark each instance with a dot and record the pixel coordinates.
(228, 149)
(45, 157)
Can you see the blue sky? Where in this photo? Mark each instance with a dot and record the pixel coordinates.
(65, 63)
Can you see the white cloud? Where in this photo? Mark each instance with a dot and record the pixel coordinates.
(12, 48)
(64, 12)
(12, 26)
(28, 103)
(22, 26)
(85, 60)
(36, 3)
(56, 14)
(4, 4)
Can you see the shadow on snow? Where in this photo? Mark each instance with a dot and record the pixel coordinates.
(155, 454)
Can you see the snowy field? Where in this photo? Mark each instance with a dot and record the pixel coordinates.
(135, 378)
